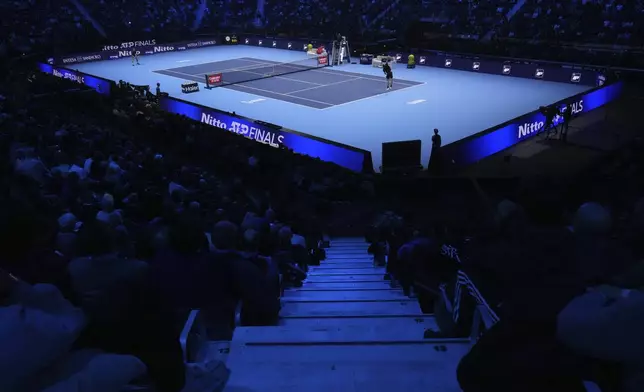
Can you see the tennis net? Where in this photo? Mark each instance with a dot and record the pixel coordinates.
(261, 71)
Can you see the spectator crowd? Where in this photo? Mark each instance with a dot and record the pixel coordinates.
(558, 292)
(126, 20)
(116, 219)
(595, 22)
(31, 26)
(588, 31)
(609, 35)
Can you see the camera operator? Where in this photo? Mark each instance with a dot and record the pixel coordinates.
(567, 116)
(550, 112)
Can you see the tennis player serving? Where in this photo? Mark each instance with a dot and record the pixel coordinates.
(386, 68)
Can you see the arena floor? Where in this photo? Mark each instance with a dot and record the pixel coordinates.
(346, 104)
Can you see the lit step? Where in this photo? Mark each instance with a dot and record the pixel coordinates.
(379, 284)
(348, 240)
(345, 255)
(347, 259)
(412, 367)
(353, 308)
(376, 333)
(346, 295)
(338, 258)
(335, 251)
(414, 323)
(343, 264)
(344, 278)
(347, 271)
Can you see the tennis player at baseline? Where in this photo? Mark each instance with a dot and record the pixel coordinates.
(386, 68)
(135, 57)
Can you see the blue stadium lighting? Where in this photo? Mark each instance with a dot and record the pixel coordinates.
(462, 152)
(345, 156)
(477, 147)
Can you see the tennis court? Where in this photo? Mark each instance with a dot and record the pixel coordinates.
(301, 82)
(346, 104)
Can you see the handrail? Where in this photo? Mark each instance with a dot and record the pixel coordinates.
(185, 333)
(426, 288)
(446, 301)
(481, 315)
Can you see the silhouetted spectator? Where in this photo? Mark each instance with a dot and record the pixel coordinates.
(435, 160)
(66, 237)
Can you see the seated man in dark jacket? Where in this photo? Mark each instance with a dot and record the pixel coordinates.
(125, 314)
(531, 281)
(288, 260)
(250, 314)
(190, 277)
(247, 281)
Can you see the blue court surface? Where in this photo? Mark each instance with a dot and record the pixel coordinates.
(346, 104)
(302, 82)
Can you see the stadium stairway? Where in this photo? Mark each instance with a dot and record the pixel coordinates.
(345, 330)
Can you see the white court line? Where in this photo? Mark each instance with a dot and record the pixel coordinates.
(320, 70)
(285, 95)
(364, 76)
(239, 70)
(287, 65)
(344, 73)
(248, 69)
(184, 61)
(301, 81)
(199, 75)
(275, 99)
(313, 100)
(373, 96)
(254, 100)
(176, 72)
(322, 85)
(245, 68)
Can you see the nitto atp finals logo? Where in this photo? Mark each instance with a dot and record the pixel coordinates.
(161, 49)
(530, 128)
(273, 139)
(66, 74)
(213, 121)
(264, 136)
